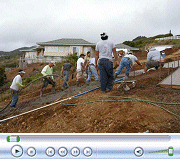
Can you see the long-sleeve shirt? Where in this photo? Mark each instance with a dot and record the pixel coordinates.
(47, 71)
(17, 83)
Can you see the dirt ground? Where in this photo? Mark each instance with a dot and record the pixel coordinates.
(96, 112)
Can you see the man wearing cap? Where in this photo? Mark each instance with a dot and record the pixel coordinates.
(104, 50)
(15, 87)
(80, 68)
(47, 79)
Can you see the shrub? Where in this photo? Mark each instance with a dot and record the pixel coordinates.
(2, 75)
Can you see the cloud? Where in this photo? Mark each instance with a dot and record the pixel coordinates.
(26, 22)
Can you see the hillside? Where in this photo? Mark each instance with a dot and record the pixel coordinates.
(113, 112)
(144, 42)
(15, 52)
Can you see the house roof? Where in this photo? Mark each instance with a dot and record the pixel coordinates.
(34, 48)
(67, 41)
(123, 46)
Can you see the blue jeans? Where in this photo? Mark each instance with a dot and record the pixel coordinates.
(92, 71)
(15, 97)
(125, 62)
(106, 74)
(66, 78)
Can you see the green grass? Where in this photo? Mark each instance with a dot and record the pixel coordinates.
(31, 78)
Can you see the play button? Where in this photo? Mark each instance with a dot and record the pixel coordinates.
(17, 151)
(138, 151)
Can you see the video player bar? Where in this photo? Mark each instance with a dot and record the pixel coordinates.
(90, 146)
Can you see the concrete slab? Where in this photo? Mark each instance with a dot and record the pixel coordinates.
(172, 80)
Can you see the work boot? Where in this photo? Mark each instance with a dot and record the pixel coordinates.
(41, 92)
(53, 90)
(127, 76)
(115, 76)
(77, 83)
(67, 85)
(87, 83)
(62, 88)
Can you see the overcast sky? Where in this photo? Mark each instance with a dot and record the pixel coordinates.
(26, 22)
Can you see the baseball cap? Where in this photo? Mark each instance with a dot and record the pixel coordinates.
(103, 34)
(82, 55)
(22, 71)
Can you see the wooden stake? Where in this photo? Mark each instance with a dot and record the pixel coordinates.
(171, 77)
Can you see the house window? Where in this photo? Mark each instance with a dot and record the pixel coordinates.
(52, 49)
(61, 49)
(32, 55)
(76, 50)
(55, 49)
(86, 49)
(67, 49)
(46, 49)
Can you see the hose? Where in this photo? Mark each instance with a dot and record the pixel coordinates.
(5, 107)
(154, 103)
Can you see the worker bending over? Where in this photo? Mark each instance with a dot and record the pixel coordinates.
(154, 59)
(127, 61)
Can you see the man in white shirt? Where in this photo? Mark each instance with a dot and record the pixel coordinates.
(15, 87)
(127, 61)
(46, 71)
(80, 68)
(154, 59)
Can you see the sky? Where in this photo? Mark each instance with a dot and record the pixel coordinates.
(25, 22)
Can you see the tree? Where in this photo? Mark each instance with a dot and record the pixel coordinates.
(72, 58)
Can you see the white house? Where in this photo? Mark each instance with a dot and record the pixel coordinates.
(33, 55)
(58, 49)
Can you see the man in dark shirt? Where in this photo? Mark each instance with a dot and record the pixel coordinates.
(67, 66)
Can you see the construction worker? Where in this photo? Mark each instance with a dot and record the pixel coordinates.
(65, 71)
(104, 50)
(127, 61)
(154, 59)
(91, 69)
(15, 87)
(80, 68)
(86, 61)
(46, 71)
